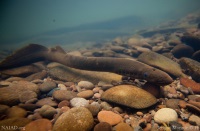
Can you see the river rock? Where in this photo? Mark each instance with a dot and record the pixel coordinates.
(123, 127)
(165, 115)
(63, 103)
(61, 95)
(27, 95)
(3, 109)
(78, 102)
(86, 84)
(103, 126)
(76, 119)
(28, 106)
(130, 96)
(14, 124)
(86, 94)
(190, 84)
(16, 111)
(46, 101)
(109, 117)
(182, 50)
(47, 111)
(47, 86)
(196, 56)
(192, 67)
(192, 41)
(194, 120)
(39, 125)
(172, 103)
(11, 95)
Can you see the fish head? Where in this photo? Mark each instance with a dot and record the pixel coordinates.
(157, 76)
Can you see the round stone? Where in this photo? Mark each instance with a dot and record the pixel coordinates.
(109, 117)
(123, 127)
(86, 84)
(26, 96)
(103, 126)
(86, 94)
(76, 119)
(39, 125)
(47, 86)
(165, 115)
(130, 96)
(78, 102)
(16, 111)
(47, 111)
(61, 95)
(46, 101)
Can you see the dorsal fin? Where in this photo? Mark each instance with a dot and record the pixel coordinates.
(27, 54)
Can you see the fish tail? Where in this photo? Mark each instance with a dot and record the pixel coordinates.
(26, 55)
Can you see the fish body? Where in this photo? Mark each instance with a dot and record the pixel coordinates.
(122, 66)
(161, 62)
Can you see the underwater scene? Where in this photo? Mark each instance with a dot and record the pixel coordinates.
(108, 65)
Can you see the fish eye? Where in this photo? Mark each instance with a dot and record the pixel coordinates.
(145, 75)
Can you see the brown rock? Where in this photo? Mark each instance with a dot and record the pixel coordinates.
(16, 123)
(172, 103)
(61, 95)
(194, 120)
(123, 127)
(182, 104)
(153, 89)
(109, 117)
(10, 95)
(29, 107)
(3, 109)
(39, 125)
(63, 103)
(86, 94)
(46, 101)
(190, 83)
(182, 50)
(76, 119)
(47, 111)
(26, 96)
(47, 86)
(130, 96)
(103, 126)
(16, 112)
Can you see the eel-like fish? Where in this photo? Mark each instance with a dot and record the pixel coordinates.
(161, 62)
(122, 66)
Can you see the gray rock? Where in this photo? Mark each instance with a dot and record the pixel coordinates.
(86, 84)
(78, 102)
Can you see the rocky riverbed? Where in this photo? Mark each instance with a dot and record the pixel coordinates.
(46, 96)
